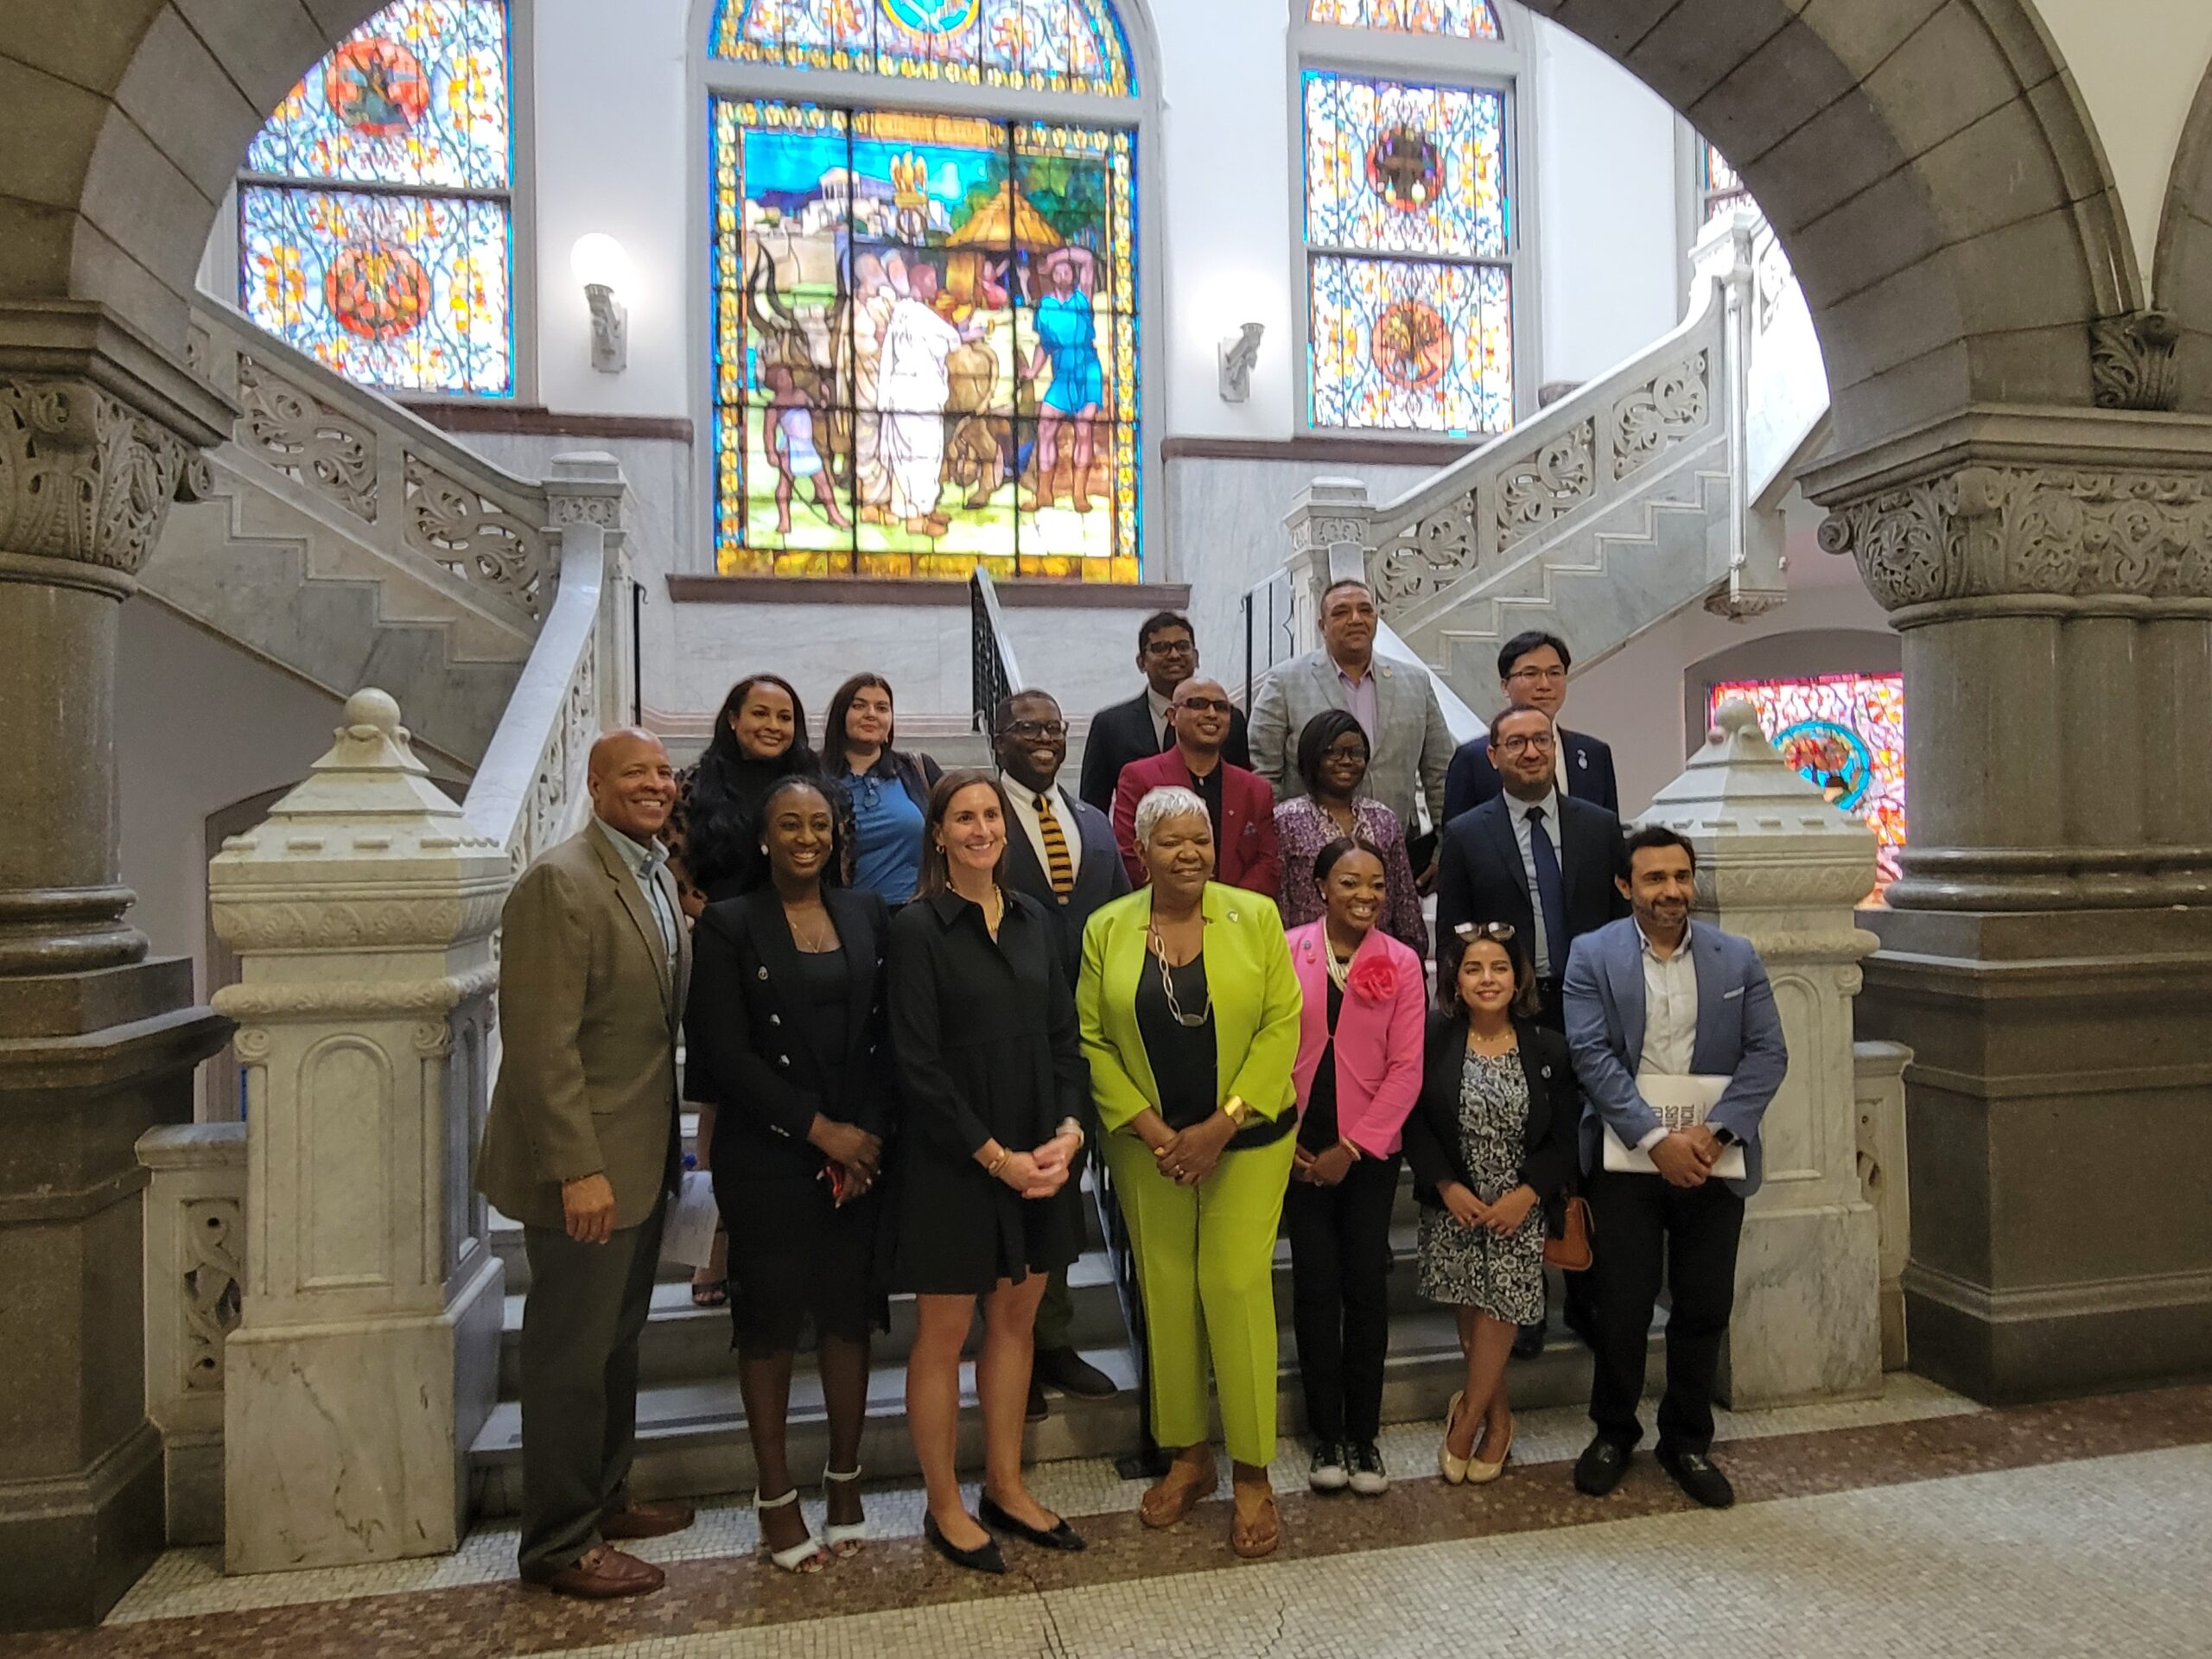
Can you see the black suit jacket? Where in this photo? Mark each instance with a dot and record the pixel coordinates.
(1548, 1149)
(1480, 877)
(1473, 780)
(1123, 733)
(744, 1029)
(1099, 877)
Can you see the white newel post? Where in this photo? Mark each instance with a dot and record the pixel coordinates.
(1330, 523)
(586, 486)
(362, 911)
(1783, 869)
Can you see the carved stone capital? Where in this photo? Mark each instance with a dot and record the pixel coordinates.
(84, 477)
(2132, 361)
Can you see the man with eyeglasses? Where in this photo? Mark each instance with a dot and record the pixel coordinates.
(1238, 802)
(1532, 670)
(1059, 851)
(1168, 653)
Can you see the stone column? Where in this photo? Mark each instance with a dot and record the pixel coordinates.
(2048, 951)
(99, 432)
(1778, 865)
(1331, 524)
(362, 913)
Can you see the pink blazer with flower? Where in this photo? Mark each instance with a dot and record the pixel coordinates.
(1379, 1034)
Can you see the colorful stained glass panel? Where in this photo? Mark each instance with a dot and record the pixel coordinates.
(1062, 46)
(1400, 345)
(416, 96)
(926, 344)
(1718, 183)
(1469, 20)
(405, 292)
(1846, 734)
(1392, 168)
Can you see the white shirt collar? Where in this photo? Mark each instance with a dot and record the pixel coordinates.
(1521, 808)
(641, 862)
(1643, 944)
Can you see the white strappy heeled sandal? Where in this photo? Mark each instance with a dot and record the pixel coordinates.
(805, 1556)
(844, 1541)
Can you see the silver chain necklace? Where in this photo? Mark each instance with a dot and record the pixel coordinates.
(1167, 983)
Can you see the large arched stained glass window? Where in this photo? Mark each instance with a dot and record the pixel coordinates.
(1469, 20)
(925, 321)
(1846, 734)
(376, 227)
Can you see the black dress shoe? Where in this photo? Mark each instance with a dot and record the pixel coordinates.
(984, 1558)
(1694, 1473)
(1529, 1341)
(1071, 1374)
(1599, 1469)
(1038, 1409)
(1062, 1536)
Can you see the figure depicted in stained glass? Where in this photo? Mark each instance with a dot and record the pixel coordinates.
(913, 386)
(1065, 366)
(789, 419)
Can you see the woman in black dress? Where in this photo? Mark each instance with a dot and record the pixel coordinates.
(982, 1023)
(786, 1023)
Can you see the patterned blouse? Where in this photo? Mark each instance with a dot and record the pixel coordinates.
(1302, 829)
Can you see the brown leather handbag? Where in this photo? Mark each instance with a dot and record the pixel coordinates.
(1569, 1248)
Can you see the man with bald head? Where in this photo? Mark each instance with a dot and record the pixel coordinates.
(1240, 804)
(580, 1148)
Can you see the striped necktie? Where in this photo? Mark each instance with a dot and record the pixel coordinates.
(1058, 864)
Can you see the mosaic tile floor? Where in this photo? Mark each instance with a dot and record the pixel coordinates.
(1914, 1525)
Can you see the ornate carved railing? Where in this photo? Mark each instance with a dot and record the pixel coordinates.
(398, 484)
(993, 673)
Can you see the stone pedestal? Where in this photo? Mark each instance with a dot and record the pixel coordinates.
(362, 913)
(98, 433)
(1778, 865)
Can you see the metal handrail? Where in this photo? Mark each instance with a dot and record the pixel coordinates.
(994, 675)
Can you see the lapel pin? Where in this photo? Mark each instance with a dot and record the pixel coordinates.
(1582, 759)
(760, 973)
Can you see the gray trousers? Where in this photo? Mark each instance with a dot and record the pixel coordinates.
(580, 1323)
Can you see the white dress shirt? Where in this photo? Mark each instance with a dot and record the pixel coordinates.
(1540, 948)
(644, 865)
(1023, 800)
(1669, 1015)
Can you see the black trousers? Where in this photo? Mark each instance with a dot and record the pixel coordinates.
(1639, 1217)
(580, 1322)
(1340, 1291)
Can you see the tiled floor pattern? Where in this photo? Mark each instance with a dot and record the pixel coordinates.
(1913, 1526)
(190, 1582)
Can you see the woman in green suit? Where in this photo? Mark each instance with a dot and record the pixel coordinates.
(1189, 1009)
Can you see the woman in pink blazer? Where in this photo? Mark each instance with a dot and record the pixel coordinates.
(1358, 1075)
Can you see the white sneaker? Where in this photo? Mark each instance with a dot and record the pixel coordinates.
(1368, 1477)
(1328, 1473)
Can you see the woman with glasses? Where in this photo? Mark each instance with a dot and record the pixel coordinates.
(1332, 763)
(1189, 1009)
(887, 791)
(1491, 1142)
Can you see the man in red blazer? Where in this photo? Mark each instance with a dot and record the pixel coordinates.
(1240, 804)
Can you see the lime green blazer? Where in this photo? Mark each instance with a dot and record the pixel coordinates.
(1256, 1003)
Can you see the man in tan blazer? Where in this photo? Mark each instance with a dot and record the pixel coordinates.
(580, 1148)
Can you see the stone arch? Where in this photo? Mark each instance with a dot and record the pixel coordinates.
(2181, 285)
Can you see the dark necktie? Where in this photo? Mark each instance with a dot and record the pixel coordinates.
(1166, 735)
(1551, 890)
(1059, 867)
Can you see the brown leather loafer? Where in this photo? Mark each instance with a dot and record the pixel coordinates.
(645, 1520)
(602, 1573)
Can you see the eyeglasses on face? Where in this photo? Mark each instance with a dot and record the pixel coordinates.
(1029, 730)
(1205, 705)
(1541, 742)
(1171, 647)
(1468, 932)
(1545, 676)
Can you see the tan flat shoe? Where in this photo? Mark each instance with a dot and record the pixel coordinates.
(1454, 1470)
(1481, 1471)
(1254, 1528)
(1178, 1491)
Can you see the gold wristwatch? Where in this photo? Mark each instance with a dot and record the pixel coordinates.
(1238, 1110)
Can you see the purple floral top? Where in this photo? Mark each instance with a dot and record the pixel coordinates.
(1302, 829)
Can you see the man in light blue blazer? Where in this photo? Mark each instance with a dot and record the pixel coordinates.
(1654, 994)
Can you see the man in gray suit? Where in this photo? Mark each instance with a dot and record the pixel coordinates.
(580, 1148)
(1410, 746)
(1653, 996)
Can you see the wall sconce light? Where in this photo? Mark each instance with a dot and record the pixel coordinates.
(1238, 357)
(600, 265)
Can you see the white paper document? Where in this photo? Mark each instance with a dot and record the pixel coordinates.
(1681, 1102)
(687, 1233)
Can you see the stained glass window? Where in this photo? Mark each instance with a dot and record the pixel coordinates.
(1846, 734)
(375, 225)
(1471, 20)
(926, 344)
(1421, 340)
(1718, 187)
(1053, 46)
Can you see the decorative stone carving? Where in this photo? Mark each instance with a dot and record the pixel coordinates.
(476, 539)
(1430, 554)
(1660, 413)
(2132, 361)
(305, 438)
(603, 511)
(83, 476)
(214, 1279)
(1543, 486)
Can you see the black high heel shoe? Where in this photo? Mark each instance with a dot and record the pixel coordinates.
(1062, 1536)
(984, 1558)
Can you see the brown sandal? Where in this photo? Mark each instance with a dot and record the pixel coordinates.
(1254, 1528)
(1178, 1491)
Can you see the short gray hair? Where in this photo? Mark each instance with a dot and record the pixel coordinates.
(1168, 801)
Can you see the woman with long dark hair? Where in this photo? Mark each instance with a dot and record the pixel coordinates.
(887, 790)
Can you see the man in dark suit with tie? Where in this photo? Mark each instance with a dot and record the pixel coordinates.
(1545, 862)
(1168, 653)
(1532, 672)
(1059, 851)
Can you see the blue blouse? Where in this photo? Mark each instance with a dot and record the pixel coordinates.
(888, 855)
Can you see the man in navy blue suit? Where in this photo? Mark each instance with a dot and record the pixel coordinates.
(1532, 670)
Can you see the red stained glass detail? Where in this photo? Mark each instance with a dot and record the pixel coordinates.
(378, 291)
(377, 87)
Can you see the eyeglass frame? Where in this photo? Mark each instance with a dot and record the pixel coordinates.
(1520, 742)
(1031, 729)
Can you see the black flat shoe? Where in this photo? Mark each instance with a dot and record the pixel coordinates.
(1599, 1469)
(984, 1558)
(1694, 1473)
(1062, 1536)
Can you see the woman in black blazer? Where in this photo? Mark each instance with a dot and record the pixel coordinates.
(785, 1020)
(1491, 1143)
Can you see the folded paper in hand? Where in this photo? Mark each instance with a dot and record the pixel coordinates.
(687, 1235)
(1681, 1103)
